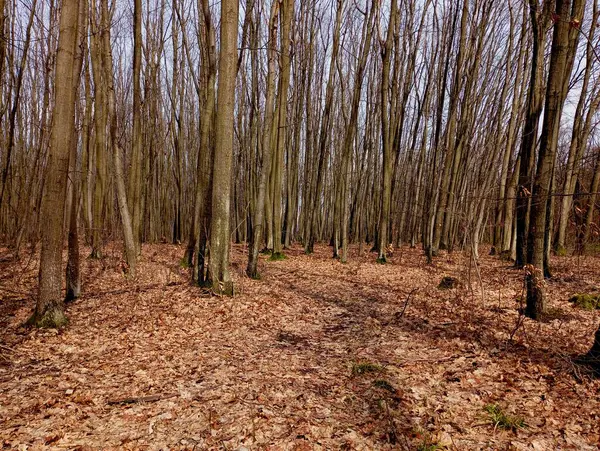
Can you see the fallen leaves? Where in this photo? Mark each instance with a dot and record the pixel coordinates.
(156, 362)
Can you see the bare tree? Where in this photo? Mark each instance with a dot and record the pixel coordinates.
(49, 308)
(219, 237)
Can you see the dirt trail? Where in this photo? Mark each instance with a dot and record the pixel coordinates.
(316, 355)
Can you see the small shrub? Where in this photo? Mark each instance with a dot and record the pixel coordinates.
(502, 420)
(365, 367)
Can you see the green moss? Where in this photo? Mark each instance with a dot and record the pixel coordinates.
(426, 442)
(384, 385)
(360, 368)
(184, 263)
(223, 288)
(52, 318)
(561, 251)
(277, 256)
(501, 419)
(586, 301)
(381, 261)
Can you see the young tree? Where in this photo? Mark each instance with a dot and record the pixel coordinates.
(107, 60)
(286, 13)
(135, 173)
(258, 226)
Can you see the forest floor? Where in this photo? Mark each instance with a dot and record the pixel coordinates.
(316, 355)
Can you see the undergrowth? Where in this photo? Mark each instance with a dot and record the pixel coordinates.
(503, 420)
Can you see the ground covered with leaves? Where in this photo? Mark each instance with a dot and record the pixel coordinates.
(315, 355)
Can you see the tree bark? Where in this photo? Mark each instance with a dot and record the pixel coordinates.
(49, 311)
(220, 242)
(557, 72)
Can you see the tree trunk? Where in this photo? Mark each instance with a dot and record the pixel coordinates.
(259, 214)
(386, 181)
(557, 72)
(130, 247)
(135, 172)
(219, 249)
(286, 13)
(49, 311)
(73, 278)
(589, 216)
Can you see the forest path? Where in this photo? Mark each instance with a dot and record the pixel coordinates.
(315, 355)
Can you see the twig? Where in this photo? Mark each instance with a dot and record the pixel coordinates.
(151, 398)
(6, 348)
(406, 302)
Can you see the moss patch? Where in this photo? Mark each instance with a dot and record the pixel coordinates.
(561, 251)
(361, 368)
(277, 257)
(384, 385)
(447, 283)
(586, 301)
(52, 318)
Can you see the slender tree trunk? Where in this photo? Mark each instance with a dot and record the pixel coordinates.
(72, 274)
(12, 120)
(349, 136)
(324, 136)
(259, 214)
(100, 120)
(135, 173)
(130, 247)
(287, 13)
(386, 184)
(589, 216)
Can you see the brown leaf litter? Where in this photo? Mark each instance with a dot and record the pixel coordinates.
(315, 355)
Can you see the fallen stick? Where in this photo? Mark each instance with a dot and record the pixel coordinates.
(151, 398)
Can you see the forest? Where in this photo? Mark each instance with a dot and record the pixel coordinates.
(285, 224)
